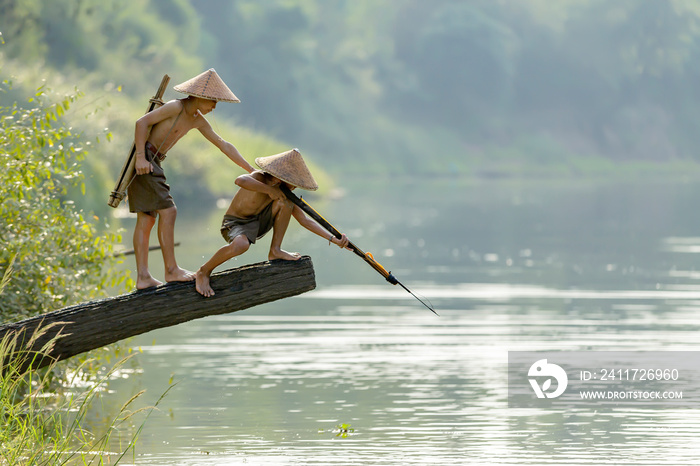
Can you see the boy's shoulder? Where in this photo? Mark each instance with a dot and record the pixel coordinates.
(174, 103)
(170, 109)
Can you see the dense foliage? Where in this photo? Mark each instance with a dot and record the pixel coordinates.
(586, 77)
(60, 256)
(403, 85)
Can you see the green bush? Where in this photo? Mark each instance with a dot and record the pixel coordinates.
(61, 254)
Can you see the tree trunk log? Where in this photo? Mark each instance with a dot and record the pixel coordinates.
(92, 325)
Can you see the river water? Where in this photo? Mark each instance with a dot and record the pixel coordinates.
(358, 372)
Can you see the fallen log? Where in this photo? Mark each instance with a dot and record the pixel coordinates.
(95, 324)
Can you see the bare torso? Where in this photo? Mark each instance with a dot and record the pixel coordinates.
(173, 128)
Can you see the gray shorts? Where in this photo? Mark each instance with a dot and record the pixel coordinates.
(253, 228)
(149, 193)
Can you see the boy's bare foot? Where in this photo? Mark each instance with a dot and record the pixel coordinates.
(179, 275)
(202, 284)
(284, 255)
(146, 282)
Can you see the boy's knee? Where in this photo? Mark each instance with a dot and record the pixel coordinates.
(240, 244)
(170, 212)
(146, 220)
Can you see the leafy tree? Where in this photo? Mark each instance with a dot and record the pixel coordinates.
(60, 255)
(377, 83)
(123, 41)
(463, 55)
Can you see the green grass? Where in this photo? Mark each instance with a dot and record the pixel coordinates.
(44, 417)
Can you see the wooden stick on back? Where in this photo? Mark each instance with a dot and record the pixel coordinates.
(127, 172)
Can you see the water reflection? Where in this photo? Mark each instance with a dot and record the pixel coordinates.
(508, 267)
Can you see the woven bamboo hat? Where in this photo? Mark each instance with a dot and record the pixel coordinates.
(289, 167)
(207, 85)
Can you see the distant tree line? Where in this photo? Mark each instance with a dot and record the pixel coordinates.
(371, 83)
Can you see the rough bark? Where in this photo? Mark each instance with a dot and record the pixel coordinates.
(95, 324)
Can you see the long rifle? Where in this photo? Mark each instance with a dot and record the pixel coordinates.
(127, 172)
(366, 256)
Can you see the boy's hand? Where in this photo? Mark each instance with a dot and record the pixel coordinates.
(342, 242)
(142, 166)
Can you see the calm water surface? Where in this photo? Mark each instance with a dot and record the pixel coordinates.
(357, 372)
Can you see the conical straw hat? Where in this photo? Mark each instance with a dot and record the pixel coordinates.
(289, 167)
(207, 85)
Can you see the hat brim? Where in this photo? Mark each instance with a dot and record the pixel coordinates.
(207, 85)
(289, 167)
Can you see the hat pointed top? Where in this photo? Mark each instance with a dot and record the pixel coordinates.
(289, 167)
(207, 85)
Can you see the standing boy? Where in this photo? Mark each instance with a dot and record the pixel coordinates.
(259, 206)
(149, 195)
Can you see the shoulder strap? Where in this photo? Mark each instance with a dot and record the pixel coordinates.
(162, 142)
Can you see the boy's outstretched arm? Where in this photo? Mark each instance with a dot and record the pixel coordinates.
(314, 227)
(225, 147)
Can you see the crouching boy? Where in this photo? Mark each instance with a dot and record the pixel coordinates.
(260, 206)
